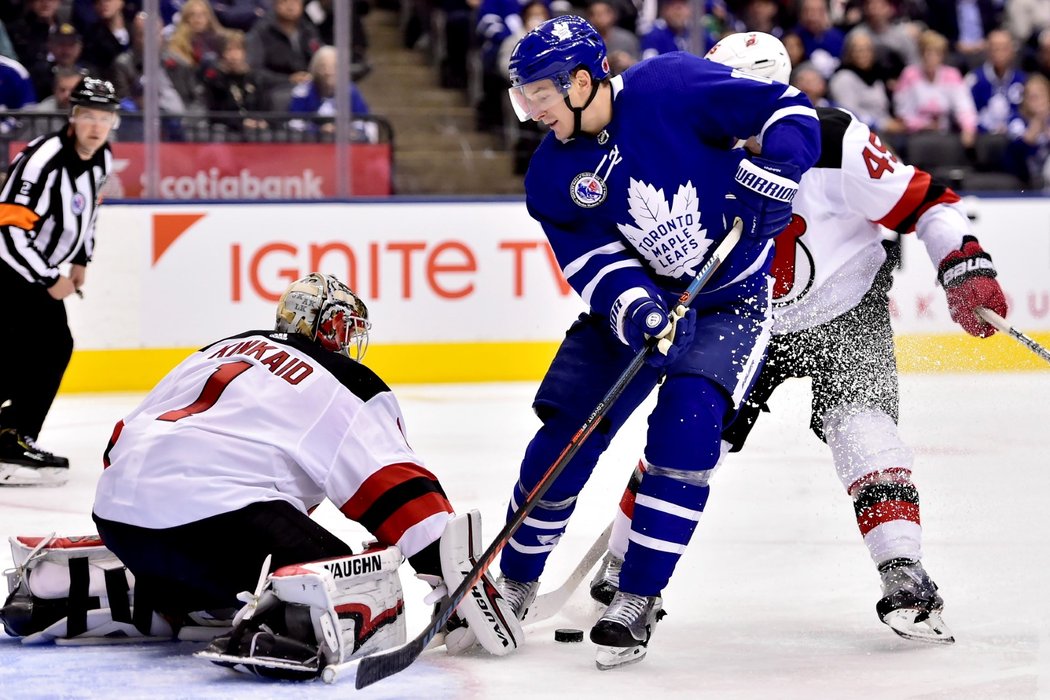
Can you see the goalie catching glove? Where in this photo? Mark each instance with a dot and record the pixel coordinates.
(968, 277)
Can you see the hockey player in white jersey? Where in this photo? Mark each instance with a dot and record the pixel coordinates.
(211, 479)
(832, 323)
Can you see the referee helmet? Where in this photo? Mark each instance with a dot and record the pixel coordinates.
(95, 93)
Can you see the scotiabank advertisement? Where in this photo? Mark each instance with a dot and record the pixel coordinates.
(246, 170)
(450, 272)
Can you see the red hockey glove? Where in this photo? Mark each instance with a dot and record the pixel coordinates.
(968, 278)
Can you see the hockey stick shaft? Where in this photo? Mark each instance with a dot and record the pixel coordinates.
(1001, 324)
(384, 664)
(548, 604)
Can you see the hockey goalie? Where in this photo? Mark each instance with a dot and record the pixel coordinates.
(203, 510)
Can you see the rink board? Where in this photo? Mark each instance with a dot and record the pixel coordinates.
(458, 291)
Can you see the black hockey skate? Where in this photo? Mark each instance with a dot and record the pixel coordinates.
(623, 632)
(607, 580)
(910, 604)
(22, 463)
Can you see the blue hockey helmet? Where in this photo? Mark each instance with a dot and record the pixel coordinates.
(552, 51)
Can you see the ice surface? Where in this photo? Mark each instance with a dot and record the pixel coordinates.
(775, 598)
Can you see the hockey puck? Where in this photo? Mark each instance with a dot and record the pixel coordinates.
(568, 635)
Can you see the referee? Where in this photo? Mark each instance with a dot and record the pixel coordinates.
(48, 208)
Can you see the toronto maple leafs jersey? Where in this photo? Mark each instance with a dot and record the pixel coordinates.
(827, 258)
(633, 210)
(266, 416)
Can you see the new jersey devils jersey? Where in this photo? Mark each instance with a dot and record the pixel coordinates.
(826, 260)
(266, 416)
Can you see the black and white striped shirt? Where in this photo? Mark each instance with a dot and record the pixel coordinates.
(48, 207)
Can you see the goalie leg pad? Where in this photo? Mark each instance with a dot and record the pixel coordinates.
(488, 615)
(318, 613)
(74, 590)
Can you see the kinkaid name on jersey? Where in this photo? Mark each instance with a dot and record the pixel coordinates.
(283, 364)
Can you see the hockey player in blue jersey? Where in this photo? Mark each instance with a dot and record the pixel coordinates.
(635, 183)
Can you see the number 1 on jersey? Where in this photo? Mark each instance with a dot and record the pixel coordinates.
(211, 392)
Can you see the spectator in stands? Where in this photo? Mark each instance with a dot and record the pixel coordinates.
(807, 78)
(762, 16)
(16, 89)
(896, 42)
(317, 96)
(795, 48)
(964, 23)
(280, 47)
(997, 85)
(108, 37)
(30, 33)
(240, 14)
(197, 39)
(322, 14)
(128, 69)
(230, 87)
(671, 31)
(1028, 155)
(932, 96)
(7, 49)
(497, 21)
(1040, 60)
(63, 82)
(65, 49)
(621, 46)
(859, 85)
(823, 42)
(84, 15)
(1026, 18)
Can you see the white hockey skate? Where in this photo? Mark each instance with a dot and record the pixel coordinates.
(910, 604)
(624, 630)
(606, 580)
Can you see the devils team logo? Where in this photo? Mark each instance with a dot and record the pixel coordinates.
(792, 264)
(588, 190)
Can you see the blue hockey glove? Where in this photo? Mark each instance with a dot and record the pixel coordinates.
(646, 318)
(761, 196)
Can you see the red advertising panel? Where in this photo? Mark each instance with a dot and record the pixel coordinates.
(246, 170)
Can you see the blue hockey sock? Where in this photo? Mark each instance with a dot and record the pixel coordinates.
(526, 553)
(666, 511)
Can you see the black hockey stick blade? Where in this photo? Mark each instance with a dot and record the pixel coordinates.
(384, 664)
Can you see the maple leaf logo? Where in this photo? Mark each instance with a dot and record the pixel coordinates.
(670, 237)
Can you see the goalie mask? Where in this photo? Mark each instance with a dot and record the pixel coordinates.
(326, 311)
(756, 53)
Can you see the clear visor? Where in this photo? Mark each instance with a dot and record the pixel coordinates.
(533, 99)
(84, 115)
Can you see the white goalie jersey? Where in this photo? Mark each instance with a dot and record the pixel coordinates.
(827, 258)
(267, 416)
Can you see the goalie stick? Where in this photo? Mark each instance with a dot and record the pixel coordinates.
(376, 667)
(1000, 324)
